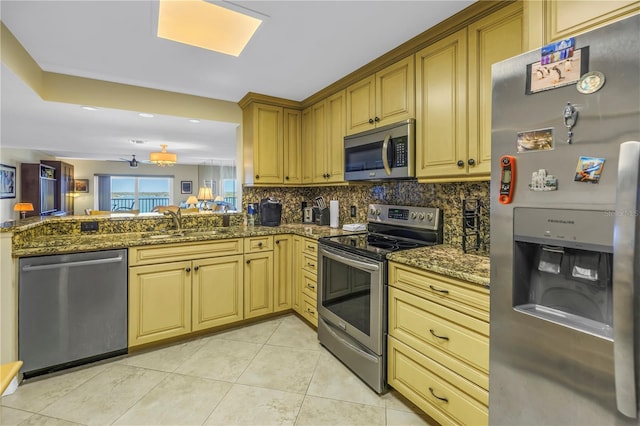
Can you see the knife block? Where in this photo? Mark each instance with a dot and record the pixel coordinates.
(321, 215)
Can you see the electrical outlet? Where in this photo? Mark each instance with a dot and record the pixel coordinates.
(89, 226)
(353, 211)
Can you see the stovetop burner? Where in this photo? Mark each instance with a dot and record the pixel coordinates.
(392, 228)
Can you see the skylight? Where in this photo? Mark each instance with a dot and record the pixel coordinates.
(205, 25)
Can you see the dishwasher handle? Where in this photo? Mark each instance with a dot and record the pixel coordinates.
(27, 268)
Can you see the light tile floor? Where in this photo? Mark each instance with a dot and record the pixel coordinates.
(272, 372)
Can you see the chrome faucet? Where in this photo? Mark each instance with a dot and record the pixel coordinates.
(176, 216)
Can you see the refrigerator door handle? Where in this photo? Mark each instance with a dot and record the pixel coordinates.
(626, 273)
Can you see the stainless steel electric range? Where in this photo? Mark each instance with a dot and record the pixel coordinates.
(352, 285)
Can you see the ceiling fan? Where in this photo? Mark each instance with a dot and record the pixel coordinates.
(133, 163)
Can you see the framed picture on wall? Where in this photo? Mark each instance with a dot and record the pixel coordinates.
(7, 181)
(81, 185)
(186, 187)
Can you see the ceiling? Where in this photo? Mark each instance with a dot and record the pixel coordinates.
(301, 47)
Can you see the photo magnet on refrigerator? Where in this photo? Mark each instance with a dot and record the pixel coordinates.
(589, 169)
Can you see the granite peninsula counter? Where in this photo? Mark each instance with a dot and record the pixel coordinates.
(36, 236)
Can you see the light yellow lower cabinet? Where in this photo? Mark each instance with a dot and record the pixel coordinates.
(309, 309)
(258, 284)
(446, 397)
(296, 273)
(159, 302)
(282, 272)
(217, 291)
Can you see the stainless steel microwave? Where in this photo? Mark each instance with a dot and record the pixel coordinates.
(387, 152)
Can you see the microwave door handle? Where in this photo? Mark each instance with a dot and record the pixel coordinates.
(626, 261)
(385, 154)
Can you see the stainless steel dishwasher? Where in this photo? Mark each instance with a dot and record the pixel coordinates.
(72, 309)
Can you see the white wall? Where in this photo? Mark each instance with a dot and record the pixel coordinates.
(14, 157)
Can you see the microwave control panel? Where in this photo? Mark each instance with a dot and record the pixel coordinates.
(400, 152)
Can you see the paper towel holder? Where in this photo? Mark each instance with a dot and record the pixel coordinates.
(334, 214)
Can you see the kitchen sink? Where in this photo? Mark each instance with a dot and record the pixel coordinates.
(187, 233)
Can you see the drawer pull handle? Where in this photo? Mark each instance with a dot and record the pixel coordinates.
(311, 248)
(436, 396)
(309, 311)
(311, 287)
(438, 290)
(311, 265)
(435, 335)
(260, 244)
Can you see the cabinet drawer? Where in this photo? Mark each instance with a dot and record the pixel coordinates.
(258, 244)
(442, 394)
(310, 247)
(451, 338)
(309, 310)
(172, 252)
(309, 285)
(310, 263)
(468, 298)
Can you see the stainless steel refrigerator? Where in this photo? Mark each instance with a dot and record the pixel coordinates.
(565, 258)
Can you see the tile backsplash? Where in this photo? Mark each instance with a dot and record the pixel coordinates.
(446, 196)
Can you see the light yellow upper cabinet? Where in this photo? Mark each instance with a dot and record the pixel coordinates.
(551, 20)
(335, 133)
(384, 98)
(292, 145)
(361, 105)
(454, 96)
(441, 87)
(325, 138)
(272, 137)
(492, 39)
(307, 145)
(263, 143)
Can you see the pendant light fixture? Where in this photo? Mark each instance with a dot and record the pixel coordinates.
(163, 158)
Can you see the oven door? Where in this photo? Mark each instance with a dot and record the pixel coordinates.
(351, 295)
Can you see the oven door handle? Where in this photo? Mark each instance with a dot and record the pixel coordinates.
(347, 259)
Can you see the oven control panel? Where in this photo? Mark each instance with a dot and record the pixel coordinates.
(420, 217)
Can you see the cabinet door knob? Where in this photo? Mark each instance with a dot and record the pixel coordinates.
(260, 244)
(460, 163)
(257, 176)
(471, 161)
(188, 269)
(376, 119)
(248, 262)
(195, 268)
(286, 178)
(277, 241)
(371, 121)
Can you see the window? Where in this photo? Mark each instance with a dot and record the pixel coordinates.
(134, 192)
(229, 192)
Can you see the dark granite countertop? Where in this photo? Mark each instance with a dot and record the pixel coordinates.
(35, 237)
(446, 260)
(57, 244)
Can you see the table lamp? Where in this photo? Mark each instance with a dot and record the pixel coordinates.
(23, 208)
(205, 194)
(192, 201)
